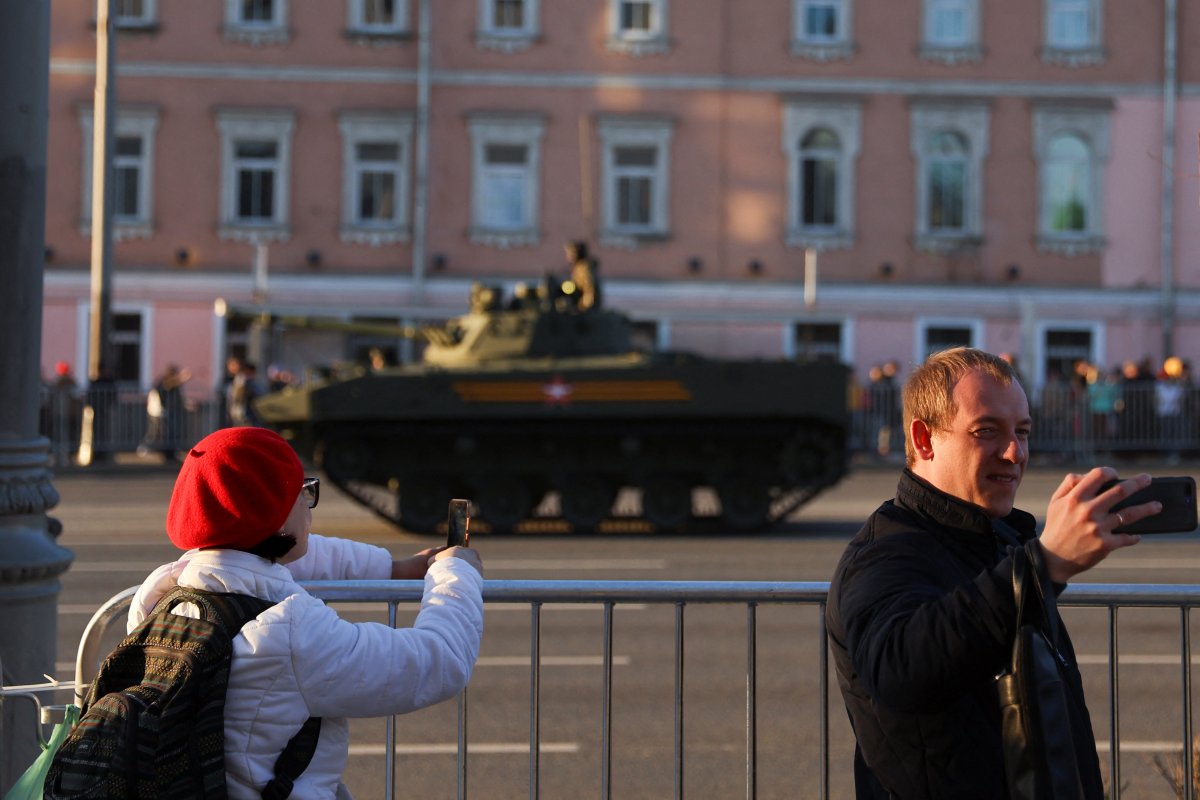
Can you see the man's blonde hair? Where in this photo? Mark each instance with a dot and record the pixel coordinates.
(929, 390)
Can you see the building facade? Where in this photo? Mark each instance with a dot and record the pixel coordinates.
(772, 178)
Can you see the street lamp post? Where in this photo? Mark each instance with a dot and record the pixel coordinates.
(30, 559)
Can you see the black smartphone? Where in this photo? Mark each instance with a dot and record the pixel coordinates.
(1178, 498)
(458, 524)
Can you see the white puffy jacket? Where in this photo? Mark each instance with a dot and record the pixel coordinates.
(299, 658)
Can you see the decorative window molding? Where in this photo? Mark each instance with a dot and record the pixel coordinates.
(1071, 145)
(135, 15)
(1074, 35)
(506, 159)
(638, 27)
(256, 155)
(635, 185)
(949, 143)
(256, 22)
(938, 333)
(375, 177)
(821, 141)
(508, 26)
(377, 19)
(951, 31)
(821, 29)
(133, 172)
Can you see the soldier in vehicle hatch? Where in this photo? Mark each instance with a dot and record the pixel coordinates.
(583, 287)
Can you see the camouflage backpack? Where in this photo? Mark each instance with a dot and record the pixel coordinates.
(153, 722)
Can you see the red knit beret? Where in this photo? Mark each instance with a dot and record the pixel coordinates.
(236, 487)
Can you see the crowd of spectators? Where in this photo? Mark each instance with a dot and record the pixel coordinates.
(1133, 408)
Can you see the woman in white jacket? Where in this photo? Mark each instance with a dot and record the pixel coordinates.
(241, 508)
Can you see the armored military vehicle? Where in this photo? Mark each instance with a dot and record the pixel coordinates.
(541, 408)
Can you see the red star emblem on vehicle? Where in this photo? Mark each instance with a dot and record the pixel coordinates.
(557, 391)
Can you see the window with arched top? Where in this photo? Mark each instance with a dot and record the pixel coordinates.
(948, 170)
(821, 142)
(1067, 167)
(950, 143)
(820, 152)
(1071, 145)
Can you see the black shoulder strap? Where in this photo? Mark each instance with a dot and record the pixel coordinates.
(232, 611)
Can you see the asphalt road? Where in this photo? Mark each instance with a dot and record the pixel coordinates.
(113, 521)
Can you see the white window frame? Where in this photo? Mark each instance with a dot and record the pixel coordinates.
(139, 122)
(845, 120)
(968, 49)
(617, 132)
(1042, 330)
(148, 18)
(492, 36)
(791, 337)
(523, 130)
(364, 128)
(969, 120)
(1087, 53)
(1092, 126)
(357, 25)
(254, 32)
(652, 41)
(822, 48)
(238, 124)
(924, 324)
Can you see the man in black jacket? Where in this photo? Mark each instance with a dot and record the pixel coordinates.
(921, 615)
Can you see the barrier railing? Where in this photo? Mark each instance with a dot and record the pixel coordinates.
(751, 595)
(1071, 427)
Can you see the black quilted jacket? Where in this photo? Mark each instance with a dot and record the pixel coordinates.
(920, 620)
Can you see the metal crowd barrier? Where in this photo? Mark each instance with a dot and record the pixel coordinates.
(1069, 428)
(609, 594)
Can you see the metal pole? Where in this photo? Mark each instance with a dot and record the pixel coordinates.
(1167, 202)
(104, 111)
(94, 424)
(421, 161)
(30, 560)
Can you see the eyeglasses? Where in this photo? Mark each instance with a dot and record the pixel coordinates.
(311, 490)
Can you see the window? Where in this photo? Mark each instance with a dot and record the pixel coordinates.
(817, 341)
(1071, 146)
(134, 13)
(506, 163)
(377, 17)
(821, 141)
(132, 175)
(947, 167)
(255, 165)
(375, 159)
(635, 174)
(1064, 346)
(951, 31)
(126, 344)
(821, 29)
(256, 21)
(507, 25)
(1073, 34)
(949, 144)
(941, 334)
(638, 27)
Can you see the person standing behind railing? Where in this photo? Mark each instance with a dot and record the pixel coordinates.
(921, 616)
(242, 509)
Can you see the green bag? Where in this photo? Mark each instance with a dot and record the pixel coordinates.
(29, 785)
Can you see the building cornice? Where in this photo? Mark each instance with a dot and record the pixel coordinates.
(784, 84)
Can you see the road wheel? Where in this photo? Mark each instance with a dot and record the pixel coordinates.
(586, 501)
(745, 501)
(503, 502)
(423, 504)
(667, 501)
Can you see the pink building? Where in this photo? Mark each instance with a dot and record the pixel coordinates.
(1021, 176)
